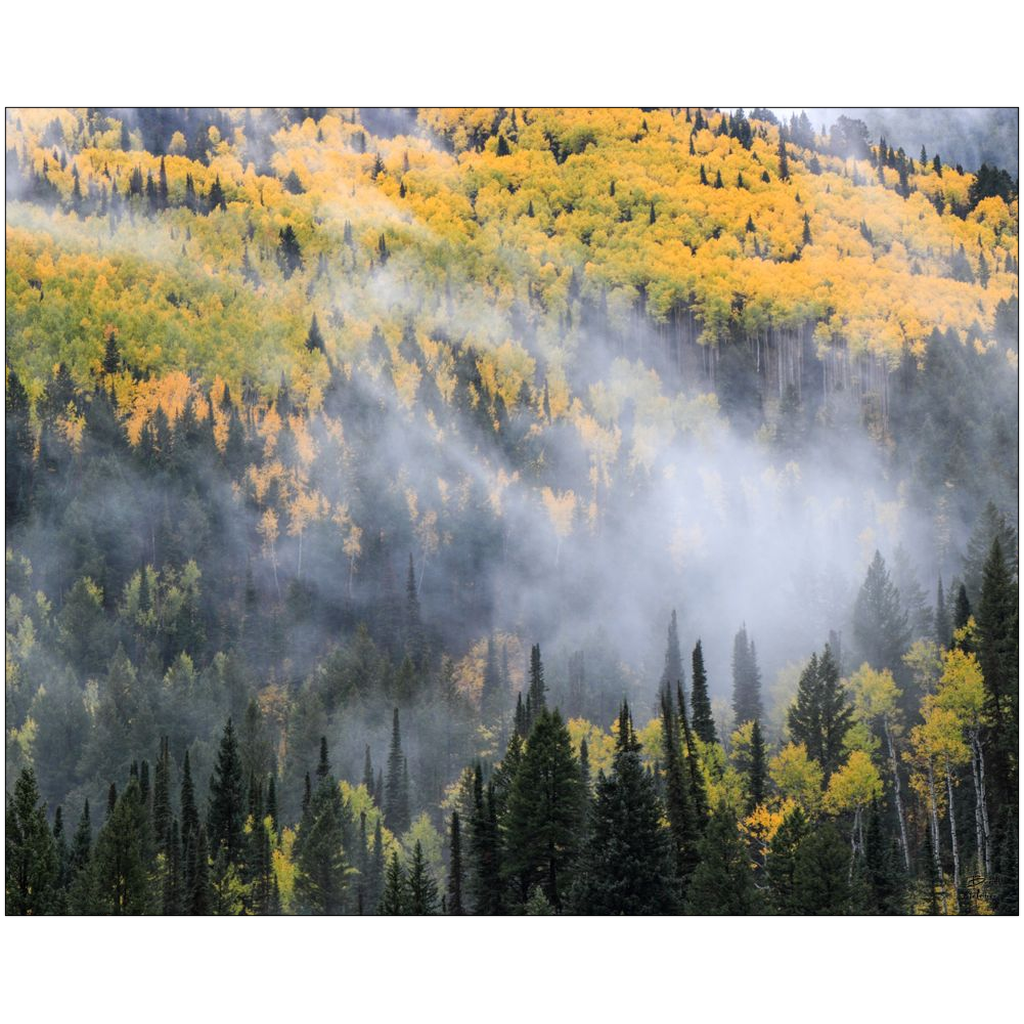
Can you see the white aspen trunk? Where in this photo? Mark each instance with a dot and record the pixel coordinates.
(982, 802)
(934, 814)
(899, 798)
(952, 829)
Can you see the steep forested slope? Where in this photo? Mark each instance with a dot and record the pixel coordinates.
(318, 420)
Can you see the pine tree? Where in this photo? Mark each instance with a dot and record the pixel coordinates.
(422, 895)
(320, 864)
(396, 791)
(723, 882)
(746, 680)
(700, 702)
(31, 866)
(484, 850)
(542, 817)
(626, 866)
(394, 899)
(672, 673)
(820, 717)
(880, 627)
(199, 894)
(783, 159)
(225, 818)
(999, 660)
(314, 339)
(189, 812)
(456, 872)
(123, 857)
(368, 771)
(679, 806)
(757, 771)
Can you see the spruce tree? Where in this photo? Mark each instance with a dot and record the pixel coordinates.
(700, 702)
(394, 899)
(757, 770)
(672, 673)
(456, 871)
(320, 864)
(679, 807)
(123, 859)
(723, 882)
(31, 865)
(542, 817)
(746, 680)
(880, 627)
(820, 717)
(485, 884)
(225, 818)
(943, 629)
(422, 895)
(396, 790)
(626, 866)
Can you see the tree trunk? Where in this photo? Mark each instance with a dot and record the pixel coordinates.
(899, 798)
(933, 812)
(981, 797)
(952, 829)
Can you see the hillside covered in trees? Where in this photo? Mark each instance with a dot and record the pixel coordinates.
(507, 511)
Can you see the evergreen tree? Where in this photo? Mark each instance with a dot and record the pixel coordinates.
(700, 702)
(320, 864)
(679, 806)
(723, 882)
(394, 899)
(542, 818)
(189, 811)
(31, 866)
(123, 857)
(422, 895)
(199, 893)
(746, 680)
(396, 790)
(456, 871)
(880, 627)
(757, 770)
(626, 866)
(484, 850)
(225, 818)
(314, 339)
(820, 717)
(672, 673)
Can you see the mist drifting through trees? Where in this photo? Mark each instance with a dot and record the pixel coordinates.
(509, 511)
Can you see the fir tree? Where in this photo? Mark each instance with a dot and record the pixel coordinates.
(542, 818)
(626, 865)
(757, 770)
(422, 895)
(700, 702)
(396, 791)
(225, 818)
(394, 899)
(456, 871)
(672, 673)
(746, 680)
(723, 882)
(31, 865)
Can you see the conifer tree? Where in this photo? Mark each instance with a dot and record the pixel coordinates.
(746, 680)
(225, 818)
(396, 791)
(821, 715)
(123, 857)
(485, 850)
(757, 770)
(542, 816)
(394, 899)
(723, 882)
(456, 871)
(626, 865)
(679, 806)
(880, 627)
(672, 673)
(31, 866)
(421, 888)
(320, 863)
(700, 702)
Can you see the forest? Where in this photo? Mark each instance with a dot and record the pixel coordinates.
(508, 511)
